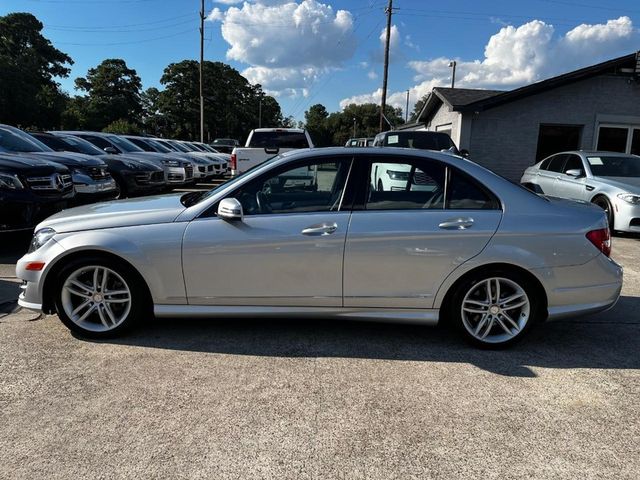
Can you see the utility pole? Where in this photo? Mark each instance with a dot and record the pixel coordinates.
(406, 110)
(389, 11)
(260, 113)
(201, 64)
(354, 127)
(453, 64)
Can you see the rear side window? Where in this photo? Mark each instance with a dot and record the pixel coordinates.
(557, 163)
(464, 193)
(278, 140)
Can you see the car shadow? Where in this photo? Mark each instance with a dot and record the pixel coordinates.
(609, 340)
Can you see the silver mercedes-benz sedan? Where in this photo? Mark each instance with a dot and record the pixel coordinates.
(307, 234)
(607, 179)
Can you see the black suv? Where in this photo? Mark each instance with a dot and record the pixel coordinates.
(420, 139)
(31, 190)
(91, 180)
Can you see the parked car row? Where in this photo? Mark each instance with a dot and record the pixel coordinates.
(44, 172)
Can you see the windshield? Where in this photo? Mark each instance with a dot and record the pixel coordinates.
(191, 198)
(614, 166)
(178, 146)
(11, 141)
(80, 145)
(124, 144)
(159, 147)
(167, 145)
(278, 140)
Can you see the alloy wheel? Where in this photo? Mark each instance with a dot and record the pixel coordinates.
(495, 310)
(96, 298)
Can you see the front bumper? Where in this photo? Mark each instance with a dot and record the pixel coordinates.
(626, 216)
(581, 289)
(23, 210)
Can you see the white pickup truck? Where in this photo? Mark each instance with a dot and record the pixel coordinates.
(265, 143)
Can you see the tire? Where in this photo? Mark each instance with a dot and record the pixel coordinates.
(603, 203)
(102, 316)
(505, 321)
(122, 188)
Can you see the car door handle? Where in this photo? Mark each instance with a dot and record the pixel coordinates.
(320, 229)
(461, 223)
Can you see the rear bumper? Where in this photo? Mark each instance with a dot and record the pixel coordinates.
(581, 289)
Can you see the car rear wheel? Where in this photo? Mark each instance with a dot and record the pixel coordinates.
(495, 310)
(604, 204)
(97, 298)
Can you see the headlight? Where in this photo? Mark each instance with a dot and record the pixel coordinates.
(630, 198)
(10, 181)
(130, 165)
(41, 237)
(171, 163)
(395, 175)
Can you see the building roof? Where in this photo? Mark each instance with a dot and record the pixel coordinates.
(476, 100)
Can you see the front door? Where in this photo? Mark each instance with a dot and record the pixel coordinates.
(286, 251)
(405, 238)
(571, 187)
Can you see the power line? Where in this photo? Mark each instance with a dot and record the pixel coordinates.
(191, 30)
(121, 30)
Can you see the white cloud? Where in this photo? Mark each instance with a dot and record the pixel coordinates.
(517, 56)
(228, 2)
(316, 40)
(372, 75)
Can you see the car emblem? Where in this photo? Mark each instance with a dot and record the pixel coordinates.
(58, 184)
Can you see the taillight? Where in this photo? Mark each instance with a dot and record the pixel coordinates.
(601, 239)
(233, 161)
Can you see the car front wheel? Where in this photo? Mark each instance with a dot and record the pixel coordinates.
(99, 299)
(495, 310)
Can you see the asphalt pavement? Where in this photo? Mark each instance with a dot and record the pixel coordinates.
(243, 399)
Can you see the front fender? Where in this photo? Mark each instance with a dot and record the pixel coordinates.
(155, 251)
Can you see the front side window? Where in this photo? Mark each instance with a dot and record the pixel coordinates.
(574, 162)
(312, 186)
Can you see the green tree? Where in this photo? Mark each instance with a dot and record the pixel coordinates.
(417, 108)
(232, 104)
(113, 93)
(122, 127)
(367, 121)
(29, 65)
(315, 121)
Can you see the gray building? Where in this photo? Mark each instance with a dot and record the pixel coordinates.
(597, 107)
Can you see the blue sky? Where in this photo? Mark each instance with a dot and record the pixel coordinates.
(330, 52)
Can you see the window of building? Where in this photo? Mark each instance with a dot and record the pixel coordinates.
(619, 138)
(557, 138)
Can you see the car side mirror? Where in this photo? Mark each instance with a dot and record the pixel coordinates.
(110, 150)
(230, 209)
(464, 153)
(575, 173)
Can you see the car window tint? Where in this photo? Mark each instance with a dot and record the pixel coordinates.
(574, 162)
(278, 140)
(99, 142)
(545, 164)
(405, 186)
(556, 163)
(464, 193)
(314, 186)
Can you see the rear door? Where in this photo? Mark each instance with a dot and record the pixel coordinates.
(570, 187)
(403, 243)
(549, 171)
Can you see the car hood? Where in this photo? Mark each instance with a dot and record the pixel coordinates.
(117, 213)
(156, 156)
(131, 162)
(628, 184)
(70, 159)
(20, 164)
